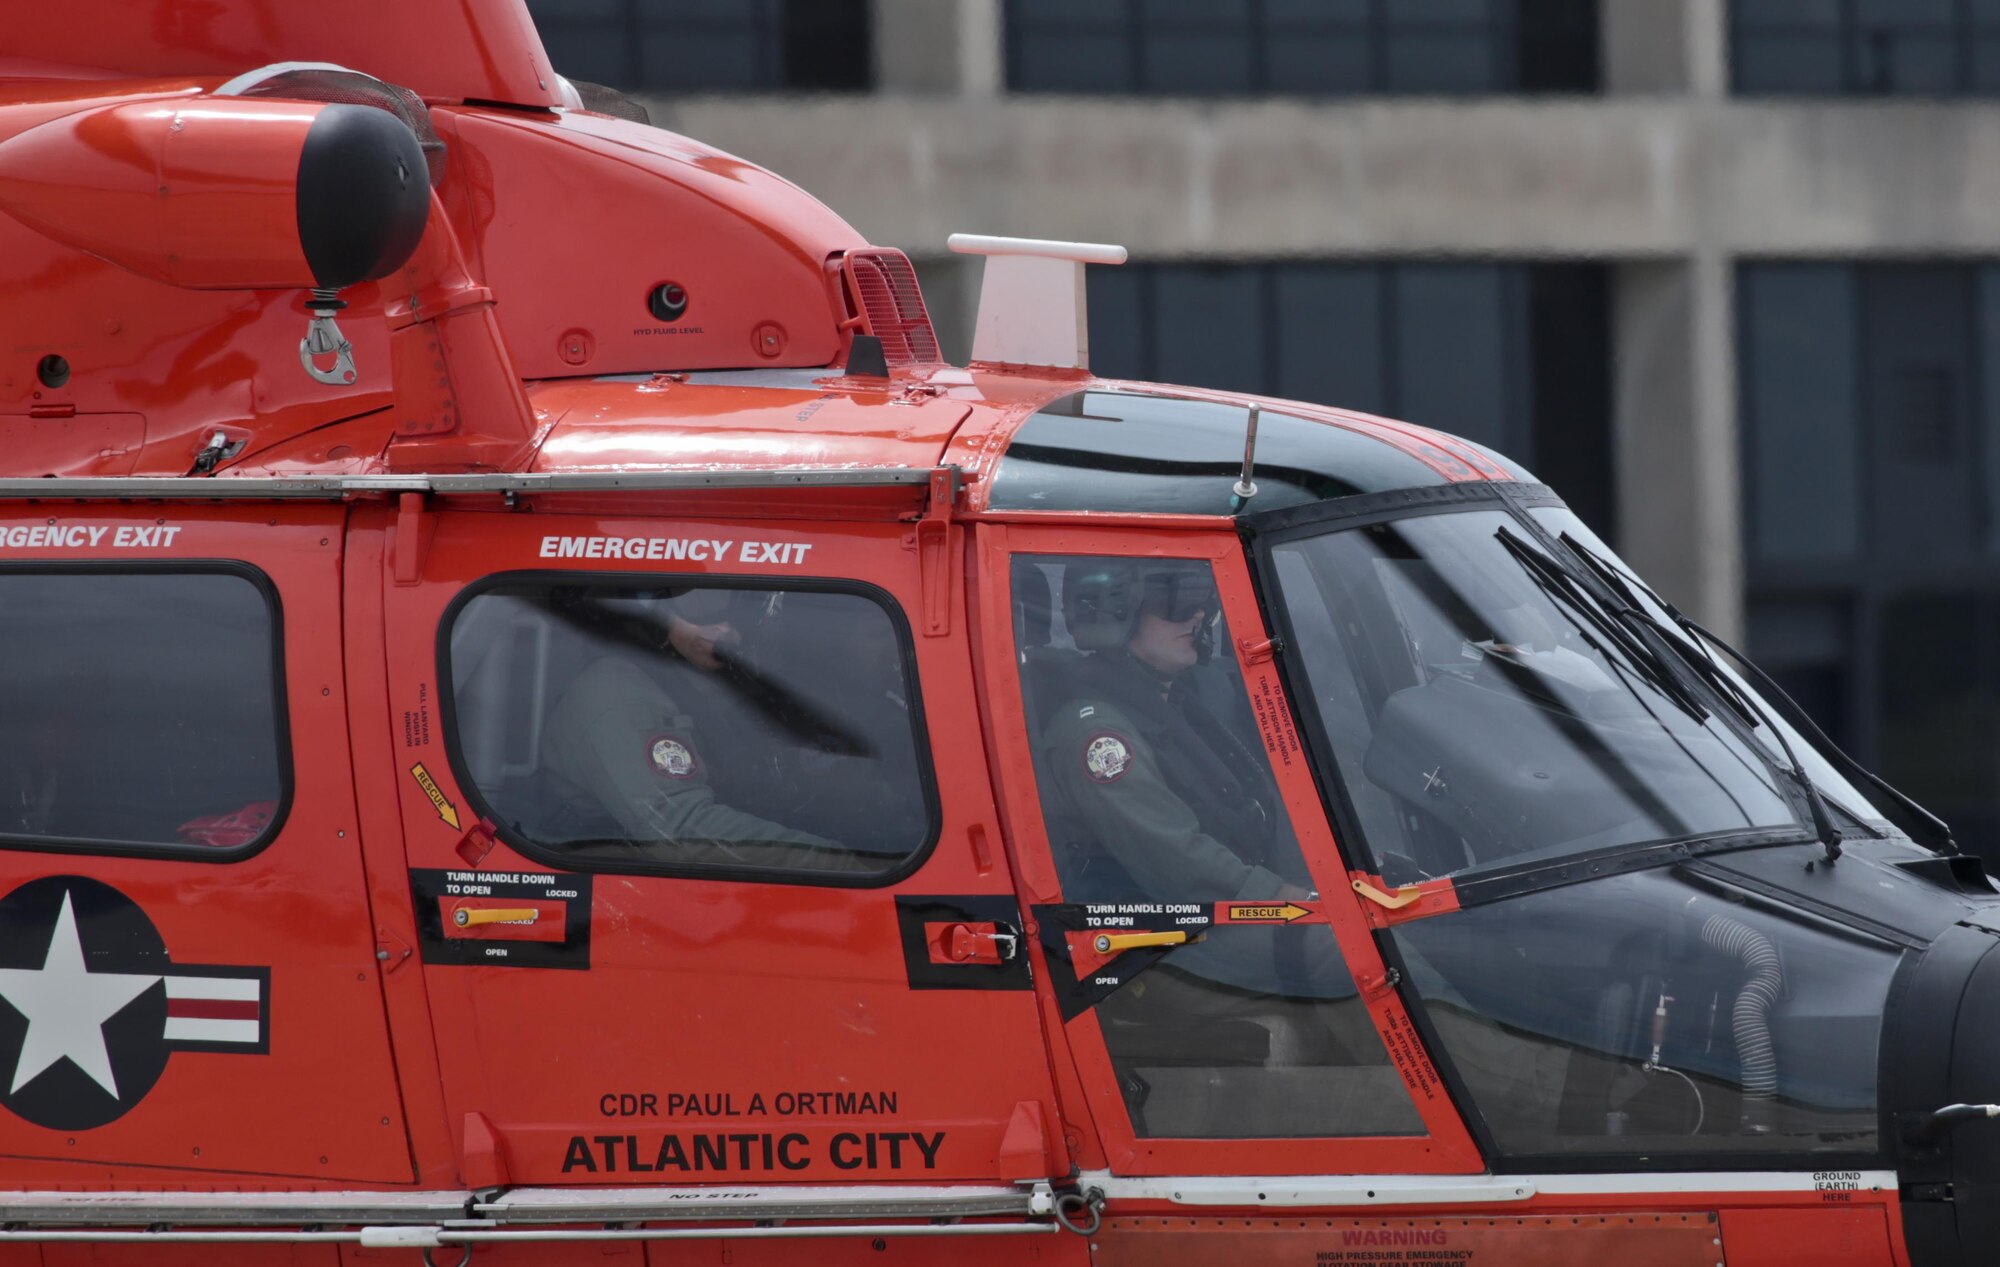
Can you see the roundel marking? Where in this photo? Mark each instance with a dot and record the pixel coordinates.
(92, 1004)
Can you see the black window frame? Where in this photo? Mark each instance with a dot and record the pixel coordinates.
(1508, 34)
(1861, 589)
(558, 860)
(1554, 399)
(1963, 29)
(266, 589)
(777, 34)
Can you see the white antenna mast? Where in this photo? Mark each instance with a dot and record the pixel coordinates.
(1032, 309)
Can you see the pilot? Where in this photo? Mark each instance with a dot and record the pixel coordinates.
(1173, 804)
(1163, 800)
(636, 753)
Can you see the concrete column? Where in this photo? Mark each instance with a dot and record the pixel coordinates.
(982, 47)
(1707, 34)
(1660, 47)
(1644, 46)
(937, 46)
(1674, 432)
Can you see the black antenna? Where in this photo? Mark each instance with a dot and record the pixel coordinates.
(865, 358)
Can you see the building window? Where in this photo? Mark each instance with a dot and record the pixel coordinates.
(717, 729)
(139, 712)
(1308, 47)
(1909, 47)
(1871, 494)
(689, 46)
(1516, 357)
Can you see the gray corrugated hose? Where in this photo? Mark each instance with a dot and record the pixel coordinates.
(1751, 1017)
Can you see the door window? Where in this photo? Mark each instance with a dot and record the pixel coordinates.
(712, 728)
(1156, 789)
(139, 712)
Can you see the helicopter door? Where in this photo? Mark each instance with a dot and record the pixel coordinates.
(1219, 990)
(697, 898)
(187, 962)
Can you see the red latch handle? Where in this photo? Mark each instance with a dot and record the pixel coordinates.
(986, 942)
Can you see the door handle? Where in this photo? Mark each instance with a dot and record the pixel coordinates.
(1393, 901)
(472, 918)
(1110, 943)
(973, 943)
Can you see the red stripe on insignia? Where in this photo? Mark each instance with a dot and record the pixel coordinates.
(214, 1009)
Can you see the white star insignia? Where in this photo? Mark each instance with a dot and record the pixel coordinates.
(66, 1006)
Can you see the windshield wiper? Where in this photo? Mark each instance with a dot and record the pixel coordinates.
(1565, 586)
(1608, 588)
(1701, 638)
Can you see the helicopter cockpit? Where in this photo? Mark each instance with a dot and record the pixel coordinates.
(1641, 911)
(1494, 719)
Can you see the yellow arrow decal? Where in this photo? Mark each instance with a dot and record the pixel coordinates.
(439, 801)
(1239, 913)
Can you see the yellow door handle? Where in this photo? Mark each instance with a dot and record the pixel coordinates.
(1394, 901)
(1106, 943)
(499, 915)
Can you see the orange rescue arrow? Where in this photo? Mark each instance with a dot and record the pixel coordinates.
(439, 801)
(1263, 913)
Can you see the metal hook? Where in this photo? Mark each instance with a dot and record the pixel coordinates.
(1088, 1204)
(464, 1257)
(323, 337)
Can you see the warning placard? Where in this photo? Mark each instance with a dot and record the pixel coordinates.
(504, 919)
(1627, 1240)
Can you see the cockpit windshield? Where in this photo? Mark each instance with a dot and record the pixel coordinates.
(1485, 709)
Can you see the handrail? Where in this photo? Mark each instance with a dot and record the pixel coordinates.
(345, 487)
(443, 1218)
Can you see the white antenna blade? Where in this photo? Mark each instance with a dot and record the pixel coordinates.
(1032, 306)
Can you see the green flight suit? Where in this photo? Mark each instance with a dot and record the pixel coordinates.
(1141, 776)
(619, 738)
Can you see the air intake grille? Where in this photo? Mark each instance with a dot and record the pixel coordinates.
(884, 286)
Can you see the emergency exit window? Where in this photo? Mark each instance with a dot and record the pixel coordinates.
(139, 712)
(1156, 791)
(719, 730)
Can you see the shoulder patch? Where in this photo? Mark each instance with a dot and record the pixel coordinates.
(1106, 756)
(670, 757)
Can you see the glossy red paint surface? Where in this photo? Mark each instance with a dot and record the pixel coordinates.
(748, 248)
(675, 425)
(482, 50)
(195, 194)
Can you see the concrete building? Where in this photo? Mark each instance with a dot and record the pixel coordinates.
(1726, 272)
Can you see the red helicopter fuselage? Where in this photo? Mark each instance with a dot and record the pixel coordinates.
(539, 718)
